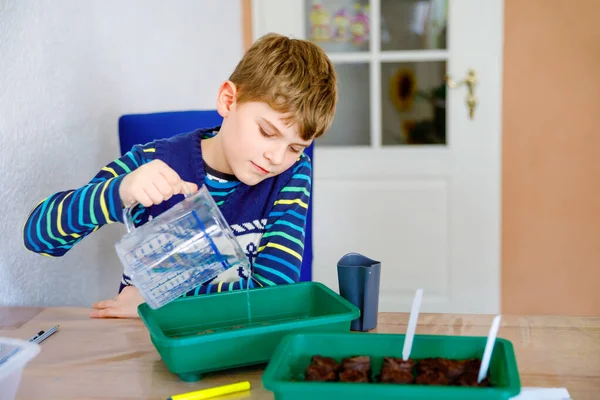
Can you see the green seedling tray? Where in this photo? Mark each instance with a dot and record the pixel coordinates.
(207, 333)
(284, 375)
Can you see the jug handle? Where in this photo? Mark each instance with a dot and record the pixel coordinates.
(128, 219)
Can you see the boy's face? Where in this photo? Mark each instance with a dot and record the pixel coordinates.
(256, 142)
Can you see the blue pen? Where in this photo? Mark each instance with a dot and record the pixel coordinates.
(43, 335)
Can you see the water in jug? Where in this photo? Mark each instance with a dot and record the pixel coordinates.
(182, 248)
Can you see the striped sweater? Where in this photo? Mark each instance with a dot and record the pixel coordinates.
(267, 219)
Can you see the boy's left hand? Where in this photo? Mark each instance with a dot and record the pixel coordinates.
(123, 306)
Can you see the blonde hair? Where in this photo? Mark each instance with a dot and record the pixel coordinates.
(292, 76)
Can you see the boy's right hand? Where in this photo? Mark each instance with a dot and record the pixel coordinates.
(153, 183)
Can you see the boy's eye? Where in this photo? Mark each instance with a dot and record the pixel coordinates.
(295, 150)
(264, 133)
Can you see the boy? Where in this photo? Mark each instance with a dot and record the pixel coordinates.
(280, 97)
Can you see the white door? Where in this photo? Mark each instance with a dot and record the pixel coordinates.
(405, 176)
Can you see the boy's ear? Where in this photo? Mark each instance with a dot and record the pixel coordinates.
(226, 98)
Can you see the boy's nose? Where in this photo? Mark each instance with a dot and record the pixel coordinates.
(275, 156)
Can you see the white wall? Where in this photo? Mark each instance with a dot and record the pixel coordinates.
(68, 70)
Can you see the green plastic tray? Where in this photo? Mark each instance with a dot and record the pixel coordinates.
(284, 375)
(207, 333)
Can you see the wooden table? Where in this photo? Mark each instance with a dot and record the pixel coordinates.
(114, 359)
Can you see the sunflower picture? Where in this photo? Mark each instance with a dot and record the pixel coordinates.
(403, 89)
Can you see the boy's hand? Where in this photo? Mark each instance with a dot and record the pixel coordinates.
(123, 306)
(153, 183)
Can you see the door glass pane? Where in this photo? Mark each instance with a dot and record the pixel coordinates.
(413, 103)
(338, 25)
(413, 24)
(351, 125)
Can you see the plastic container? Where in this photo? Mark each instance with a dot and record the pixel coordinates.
(358, 279)
(180, 249)
(285, 373)
(14, 356)
(212, 332)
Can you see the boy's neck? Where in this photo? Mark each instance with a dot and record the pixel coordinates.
(213, 155)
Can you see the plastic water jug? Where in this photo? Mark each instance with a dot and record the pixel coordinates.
(180, 249)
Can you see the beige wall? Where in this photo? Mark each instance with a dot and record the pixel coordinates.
(246, 7)
(551, 157)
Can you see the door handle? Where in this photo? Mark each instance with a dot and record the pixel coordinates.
(470, 81)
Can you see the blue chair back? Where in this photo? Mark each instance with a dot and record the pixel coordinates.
(144, 128)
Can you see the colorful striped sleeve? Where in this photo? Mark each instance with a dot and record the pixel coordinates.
(282, 245)
(63, 219)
